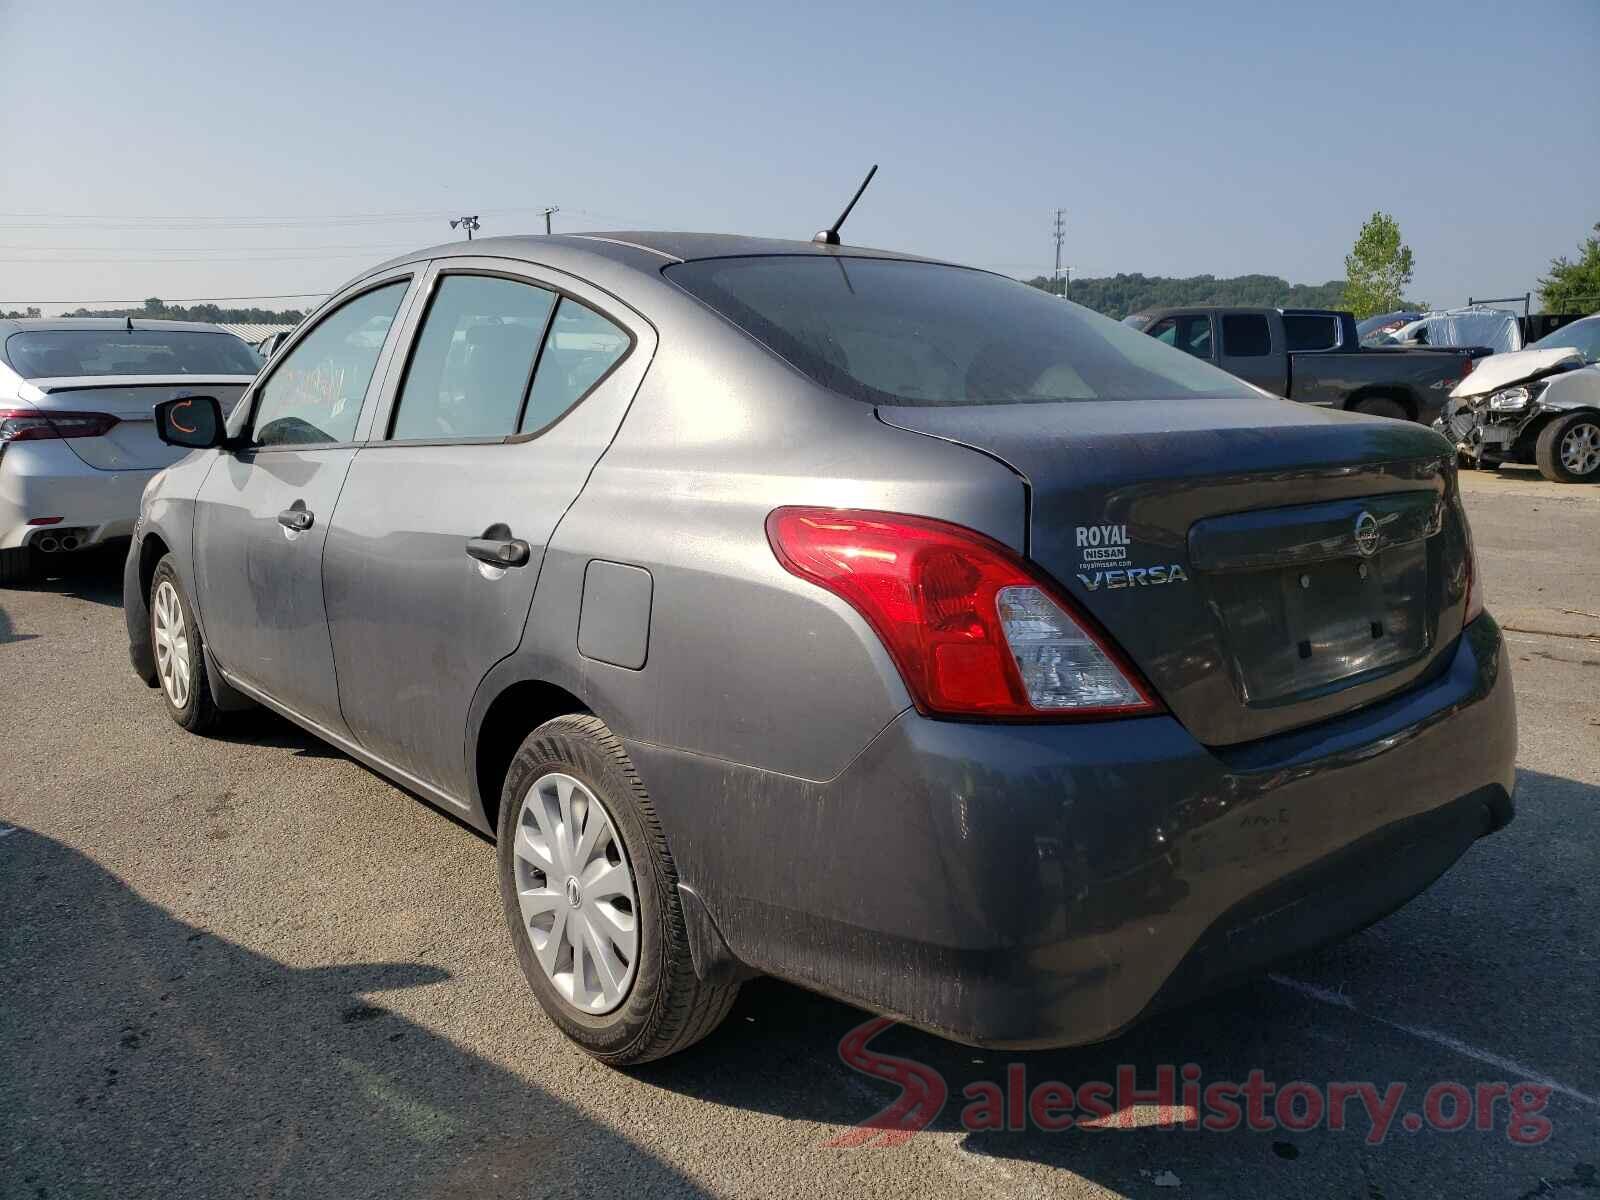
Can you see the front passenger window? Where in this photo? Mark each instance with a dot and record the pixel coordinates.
(314, 395)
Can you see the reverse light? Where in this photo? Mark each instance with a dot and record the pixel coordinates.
(970, 626)
(39, 424)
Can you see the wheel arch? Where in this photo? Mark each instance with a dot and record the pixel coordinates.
(504, 712)
(1384, 391)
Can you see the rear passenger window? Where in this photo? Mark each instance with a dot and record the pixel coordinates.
(581, 348)
(473, 359)
(1310, 331)
(1245, 335)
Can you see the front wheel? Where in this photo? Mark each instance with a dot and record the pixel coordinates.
(1568, 450)
(591, 895)
(180, 654)
(1382, 406)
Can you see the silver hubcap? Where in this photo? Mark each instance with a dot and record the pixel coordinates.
(576, 892)
(172, 643)
(1580, 449)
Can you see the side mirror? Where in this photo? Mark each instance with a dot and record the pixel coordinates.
(193, 422)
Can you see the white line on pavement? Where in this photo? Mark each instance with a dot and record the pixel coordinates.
(7, 831)
(1510, 1066)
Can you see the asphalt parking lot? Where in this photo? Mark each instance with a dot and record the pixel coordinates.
(248, 966)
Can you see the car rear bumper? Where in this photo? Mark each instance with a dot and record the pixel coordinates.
(1046, 885)
(45, 479)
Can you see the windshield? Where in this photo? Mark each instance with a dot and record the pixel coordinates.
(1583, 336)
(891, 332)
(56, 353)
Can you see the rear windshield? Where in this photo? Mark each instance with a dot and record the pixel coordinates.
(53, 353)
(892, 332)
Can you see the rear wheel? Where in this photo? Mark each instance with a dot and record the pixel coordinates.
(17, 566)
(1568, 450)
(591, 895)
(180, 655)
(1382, 406)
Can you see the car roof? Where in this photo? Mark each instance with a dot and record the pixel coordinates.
(637, 249)
(48, 324)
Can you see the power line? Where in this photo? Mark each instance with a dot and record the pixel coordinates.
(182, 300)
(26, 220)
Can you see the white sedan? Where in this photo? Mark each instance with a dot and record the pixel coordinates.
(77, 430)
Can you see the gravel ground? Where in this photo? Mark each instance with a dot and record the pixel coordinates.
(247, 966)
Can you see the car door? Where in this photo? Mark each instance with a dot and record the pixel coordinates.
(262, 513)
(1252, 349)
(516, 381)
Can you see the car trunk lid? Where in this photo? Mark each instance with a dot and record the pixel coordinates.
(1265, 564)
(131, 444)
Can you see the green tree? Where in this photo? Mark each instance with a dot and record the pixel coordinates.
(1378, 269)
(1574, 287)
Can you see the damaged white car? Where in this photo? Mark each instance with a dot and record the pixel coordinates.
(1540, 405)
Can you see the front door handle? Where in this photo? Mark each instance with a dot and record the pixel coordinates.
(498, 548)
(297, 517)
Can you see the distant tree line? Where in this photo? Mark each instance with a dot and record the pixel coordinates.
(154, 309)
(1118, 295)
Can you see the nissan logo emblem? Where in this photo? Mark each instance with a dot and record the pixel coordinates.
(1367, 534)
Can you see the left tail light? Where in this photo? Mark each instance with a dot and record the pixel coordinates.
(972, 628)
(39, 424)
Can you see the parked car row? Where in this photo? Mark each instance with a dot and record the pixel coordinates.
(1314, 356)
(884, 625)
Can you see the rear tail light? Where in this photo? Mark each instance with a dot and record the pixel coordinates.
(38, 424)
(1467, 363)
(972, 629)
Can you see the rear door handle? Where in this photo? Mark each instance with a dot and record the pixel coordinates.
(297, 517)
(498, 548)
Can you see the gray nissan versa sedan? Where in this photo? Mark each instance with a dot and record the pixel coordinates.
(872, 622)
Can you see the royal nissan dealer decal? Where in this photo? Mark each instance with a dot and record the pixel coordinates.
(1103, 561)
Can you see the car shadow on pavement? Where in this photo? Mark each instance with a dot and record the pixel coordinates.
(141, 1056)
(1427, 987)
(93, 575)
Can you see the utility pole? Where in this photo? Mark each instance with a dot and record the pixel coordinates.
(467, 223)
(547, 212)
(1061, 236)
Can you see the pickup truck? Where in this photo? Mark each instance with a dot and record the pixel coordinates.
(1315, 356)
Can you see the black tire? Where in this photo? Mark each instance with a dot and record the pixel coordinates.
(667, 1006)
(1548, 450)
(18, 566)
(1382, 406)
(199, 712)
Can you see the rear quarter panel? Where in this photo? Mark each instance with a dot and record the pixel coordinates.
(745, 662)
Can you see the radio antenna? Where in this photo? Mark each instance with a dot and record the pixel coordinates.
(830, 236)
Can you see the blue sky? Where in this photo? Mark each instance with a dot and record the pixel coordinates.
(249, 149)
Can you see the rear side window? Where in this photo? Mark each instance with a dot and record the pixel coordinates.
(581, 348)
(1245, 335)
(473, 359)
(886, 331)
(314, 393)
(1310, 331)
(53, 353)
